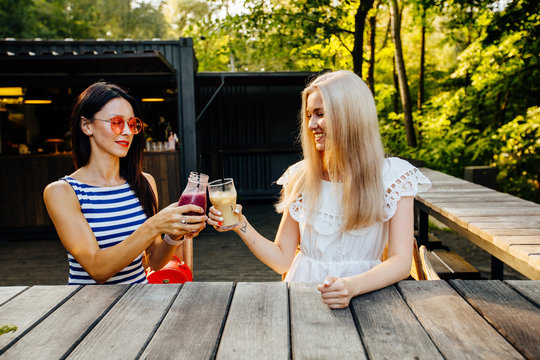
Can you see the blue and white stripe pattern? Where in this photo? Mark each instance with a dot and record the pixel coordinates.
(113, 213)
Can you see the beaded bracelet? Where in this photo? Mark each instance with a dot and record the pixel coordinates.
(172, 242)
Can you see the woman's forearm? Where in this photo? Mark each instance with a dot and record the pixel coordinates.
(265, 250)
(160, 252)
(105, 263)
(386, 273)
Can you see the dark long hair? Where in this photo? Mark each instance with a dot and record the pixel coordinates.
(91, 101)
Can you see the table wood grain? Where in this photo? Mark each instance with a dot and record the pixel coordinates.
(457, 330)
(516, 318)
(459, 319)
(505, 226)
(318, 332)
(192, 326)
(7, 293)
(257, 326)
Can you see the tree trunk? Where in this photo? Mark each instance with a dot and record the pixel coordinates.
(359, 26)
(371, 70)
(402, 75)
(396, 86)
(422, 61)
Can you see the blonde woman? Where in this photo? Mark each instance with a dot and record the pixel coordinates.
(343, 202)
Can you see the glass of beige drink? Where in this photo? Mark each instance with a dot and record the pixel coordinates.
(223, 196)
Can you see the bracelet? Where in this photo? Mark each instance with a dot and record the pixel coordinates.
(172, 242)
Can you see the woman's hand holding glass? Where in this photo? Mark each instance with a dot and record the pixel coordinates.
(174, 222)
(215, 219)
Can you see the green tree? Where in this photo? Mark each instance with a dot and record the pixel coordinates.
(81, 19)
(487, 100)
(16, 18)
(402, 75)
(296, 35)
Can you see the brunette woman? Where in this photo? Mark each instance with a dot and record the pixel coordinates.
(105, 213)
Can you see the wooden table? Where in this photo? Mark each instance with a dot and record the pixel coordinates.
(505, 226)
(459, 319)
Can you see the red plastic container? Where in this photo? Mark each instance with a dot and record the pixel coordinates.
(175, 272)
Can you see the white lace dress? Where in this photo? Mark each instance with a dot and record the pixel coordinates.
(324, 248)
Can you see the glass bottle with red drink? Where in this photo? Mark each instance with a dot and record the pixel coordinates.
(195, 192)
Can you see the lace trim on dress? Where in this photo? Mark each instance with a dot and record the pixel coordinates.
(407, 184)
(296, 209)
(323, 222)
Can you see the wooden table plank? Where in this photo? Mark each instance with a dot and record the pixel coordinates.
(257, 326)
(28, 308)
(454, 326)
(389, 329)
(481, 207)
(460, 215)
(462, 188)
(53, 337)
(126, 329)
(505, 237)
(459, 188)
(468, 197)
(7, 292)
(530, 267)
(507, 224)
(493, 211)
(496, 219)
(528, 288)
(525, 251)
(318, 332)
(523, 239)
(192, 327)
(512, 315)
(534, 259)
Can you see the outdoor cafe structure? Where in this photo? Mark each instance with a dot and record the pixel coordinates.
(241, 125)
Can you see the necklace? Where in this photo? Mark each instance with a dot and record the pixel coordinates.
(103, 183)
(107, 184)
(93, 177)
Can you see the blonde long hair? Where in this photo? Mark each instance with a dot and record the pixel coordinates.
(353, 155)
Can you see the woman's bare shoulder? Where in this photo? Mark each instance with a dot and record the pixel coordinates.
(59, 192)
(58, 188)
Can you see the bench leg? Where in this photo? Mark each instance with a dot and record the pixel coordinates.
(497, 268)
(423, 220)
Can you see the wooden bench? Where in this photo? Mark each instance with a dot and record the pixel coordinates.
(503, 225)
(449, 265)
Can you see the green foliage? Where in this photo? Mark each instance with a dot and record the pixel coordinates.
(283, 35)
(484, 111)
(81, 19)
(518, 155)
(14, 18)
(481, 62)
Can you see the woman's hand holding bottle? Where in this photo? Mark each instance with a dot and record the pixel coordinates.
(174, 222)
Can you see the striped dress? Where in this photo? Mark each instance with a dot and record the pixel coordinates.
(113, 213)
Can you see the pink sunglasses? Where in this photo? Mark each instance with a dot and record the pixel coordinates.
(117, 124)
